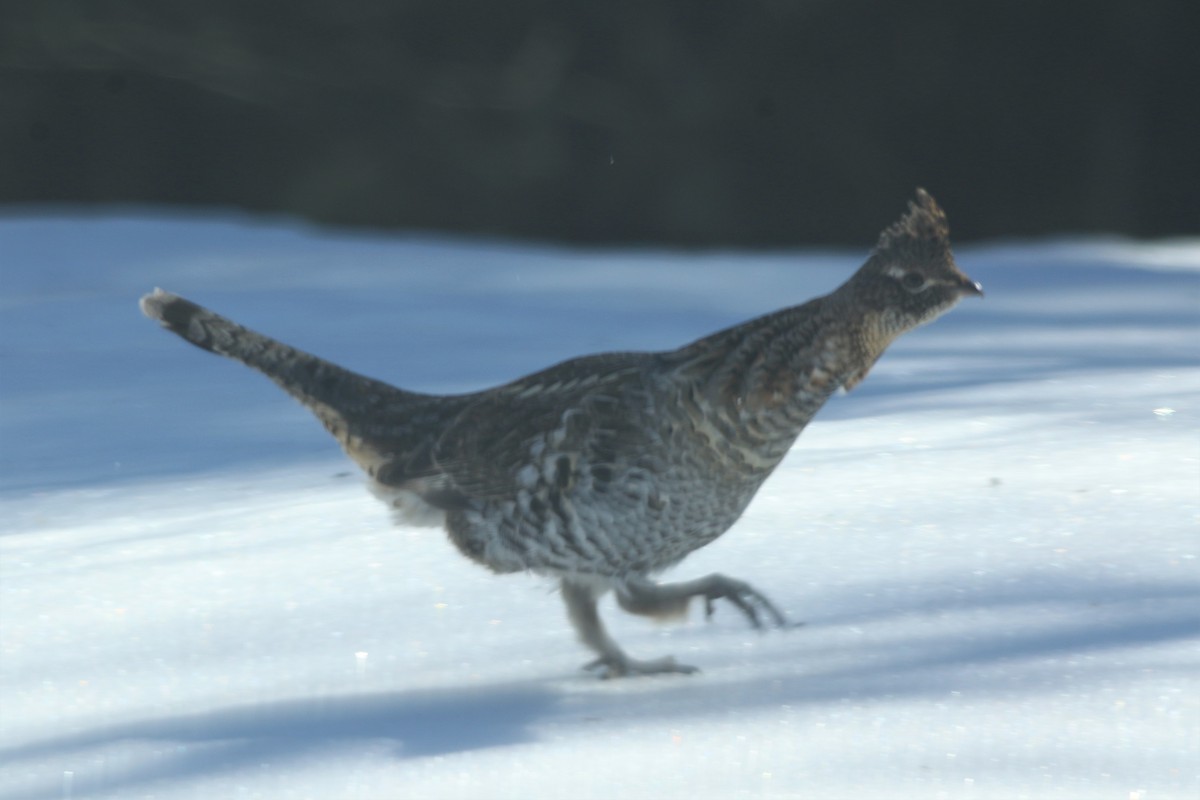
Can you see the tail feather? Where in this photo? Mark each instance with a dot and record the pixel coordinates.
(367, 416)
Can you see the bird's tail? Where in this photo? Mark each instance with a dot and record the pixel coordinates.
(359, 411)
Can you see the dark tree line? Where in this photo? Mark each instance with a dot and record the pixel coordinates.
(696, 123)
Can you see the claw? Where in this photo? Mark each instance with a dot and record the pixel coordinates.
(608, 667)
(748, 600)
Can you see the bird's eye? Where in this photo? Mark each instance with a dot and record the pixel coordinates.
(913, 281)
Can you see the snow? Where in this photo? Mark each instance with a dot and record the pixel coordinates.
(993, 541)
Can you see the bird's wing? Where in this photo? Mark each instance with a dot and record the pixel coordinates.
(541, 428)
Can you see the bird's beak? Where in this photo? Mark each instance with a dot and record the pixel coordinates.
(970, 288)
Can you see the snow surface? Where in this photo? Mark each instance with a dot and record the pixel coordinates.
(993, 541)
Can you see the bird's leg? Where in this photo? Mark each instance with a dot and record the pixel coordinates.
(612, 662)
(641, 596)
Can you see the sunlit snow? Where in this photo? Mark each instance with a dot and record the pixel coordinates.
(994, 542)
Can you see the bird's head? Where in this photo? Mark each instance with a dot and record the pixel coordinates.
(911, 277)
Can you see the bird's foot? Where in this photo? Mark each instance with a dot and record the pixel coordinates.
(751, 602)
(622, 666)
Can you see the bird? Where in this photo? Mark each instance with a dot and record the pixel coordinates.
(603, 471)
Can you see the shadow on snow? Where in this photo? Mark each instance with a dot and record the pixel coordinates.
(935, 664)
(421, 723)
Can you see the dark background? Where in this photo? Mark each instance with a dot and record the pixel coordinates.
(613, 121)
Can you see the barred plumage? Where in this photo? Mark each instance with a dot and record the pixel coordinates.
(605, 470)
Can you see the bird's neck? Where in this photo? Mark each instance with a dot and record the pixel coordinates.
(780, 369)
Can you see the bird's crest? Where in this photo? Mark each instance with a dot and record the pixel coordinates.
(923, 229)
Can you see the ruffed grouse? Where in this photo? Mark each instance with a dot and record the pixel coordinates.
(605, 470)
